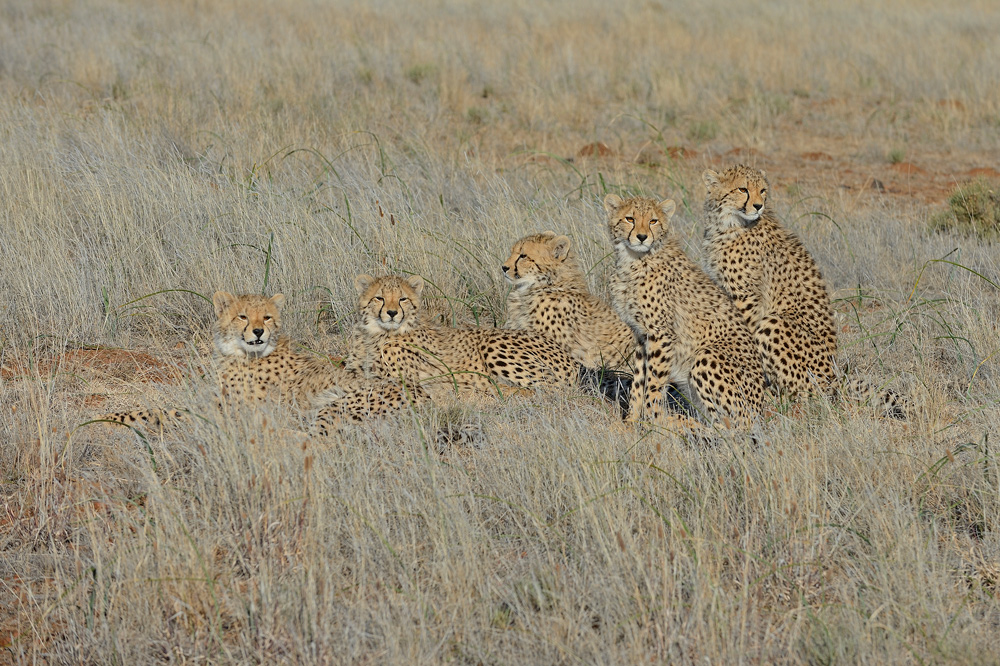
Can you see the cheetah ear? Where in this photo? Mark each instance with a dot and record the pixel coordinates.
(222, 300)
(548, 234)
(416, 282)
(710, 177)
(362, 282)
(763, 174)
(560, 248)
(668, 207)
(612, 202)
(278, 300)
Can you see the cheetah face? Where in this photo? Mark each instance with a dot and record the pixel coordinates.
(737, 194)
(247, 325)
(535, 260)
(389, 304)
(638, 224)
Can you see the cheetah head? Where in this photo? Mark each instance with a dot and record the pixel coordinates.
(247, 325)
(638, 224)
(389, 304)
(736, 196)
(536, 260)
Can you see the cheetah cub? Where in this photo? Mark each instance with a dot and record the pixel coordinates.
(550, 296)
(687, 330)
(256, 363)
(777, 287)
(393, 342)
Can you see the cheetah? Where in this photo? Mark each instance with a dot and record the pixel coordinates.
(392, 341)
(256, 363)
(550, 296)
(776, 287)
(687, 330)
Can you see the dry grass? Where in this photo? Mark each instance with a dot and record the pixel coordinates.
(155, 152)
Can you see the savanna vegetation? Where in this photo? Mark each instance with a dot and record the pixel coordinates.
(155, 152)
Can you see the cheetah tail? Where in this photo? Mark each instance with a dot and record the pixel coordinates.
(144, 417)
(884, 400)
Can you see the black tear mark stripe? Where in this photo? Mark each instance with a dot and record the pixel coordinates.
(516, 270)
(747, 195)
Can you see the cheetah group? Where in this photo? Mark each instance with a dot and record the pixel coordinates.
(758, 317)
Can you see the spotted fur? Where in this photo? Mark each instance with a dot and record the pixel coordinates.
(688, 331)
(392, 341)
(550, 296)
(256, 364)
(776, 286)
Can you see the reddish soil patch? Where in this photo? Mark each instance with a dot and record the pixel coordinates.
(597, 149)
(951, 104)
(907, 168)
(121, 363)
(651, 155)
(681, 153)
(817, 156)
(94, 401)
(983, 172)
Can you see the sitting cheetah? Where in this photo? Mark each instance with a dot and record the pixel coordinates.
(255, 363)
(550, 296)
(776, 285)
(687, 329)
(393, 342)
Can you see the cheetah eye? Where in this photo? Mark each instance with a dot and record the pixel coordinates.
(380, 299)
(743, 190)
(243, 317)
(267, 317)
(523, 256)
(629, 219)
(403, 299)
(654, 221)
(763, 192)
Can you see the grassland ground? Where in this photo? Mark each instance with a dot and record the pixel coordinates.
(153, 153)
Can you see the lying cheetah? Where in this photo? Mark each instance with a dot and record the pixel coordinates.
(687, 329)
(776, 285)
(255, 364)
(393, 342)
(550, 296)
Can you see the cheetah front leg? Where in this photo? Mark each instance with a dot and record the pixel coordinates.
(637, 394)
(653, 357)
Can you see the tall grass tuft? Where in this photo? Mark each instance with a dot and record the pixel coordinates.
(973, 208)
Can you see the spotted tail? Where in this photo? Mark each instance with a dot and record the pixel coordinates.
(145, 417)
(883, 400)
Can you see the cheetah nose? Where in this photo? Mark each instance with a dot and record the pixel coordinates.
(391, 313)
(642, 237)
(758, 206)
(258, 332)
